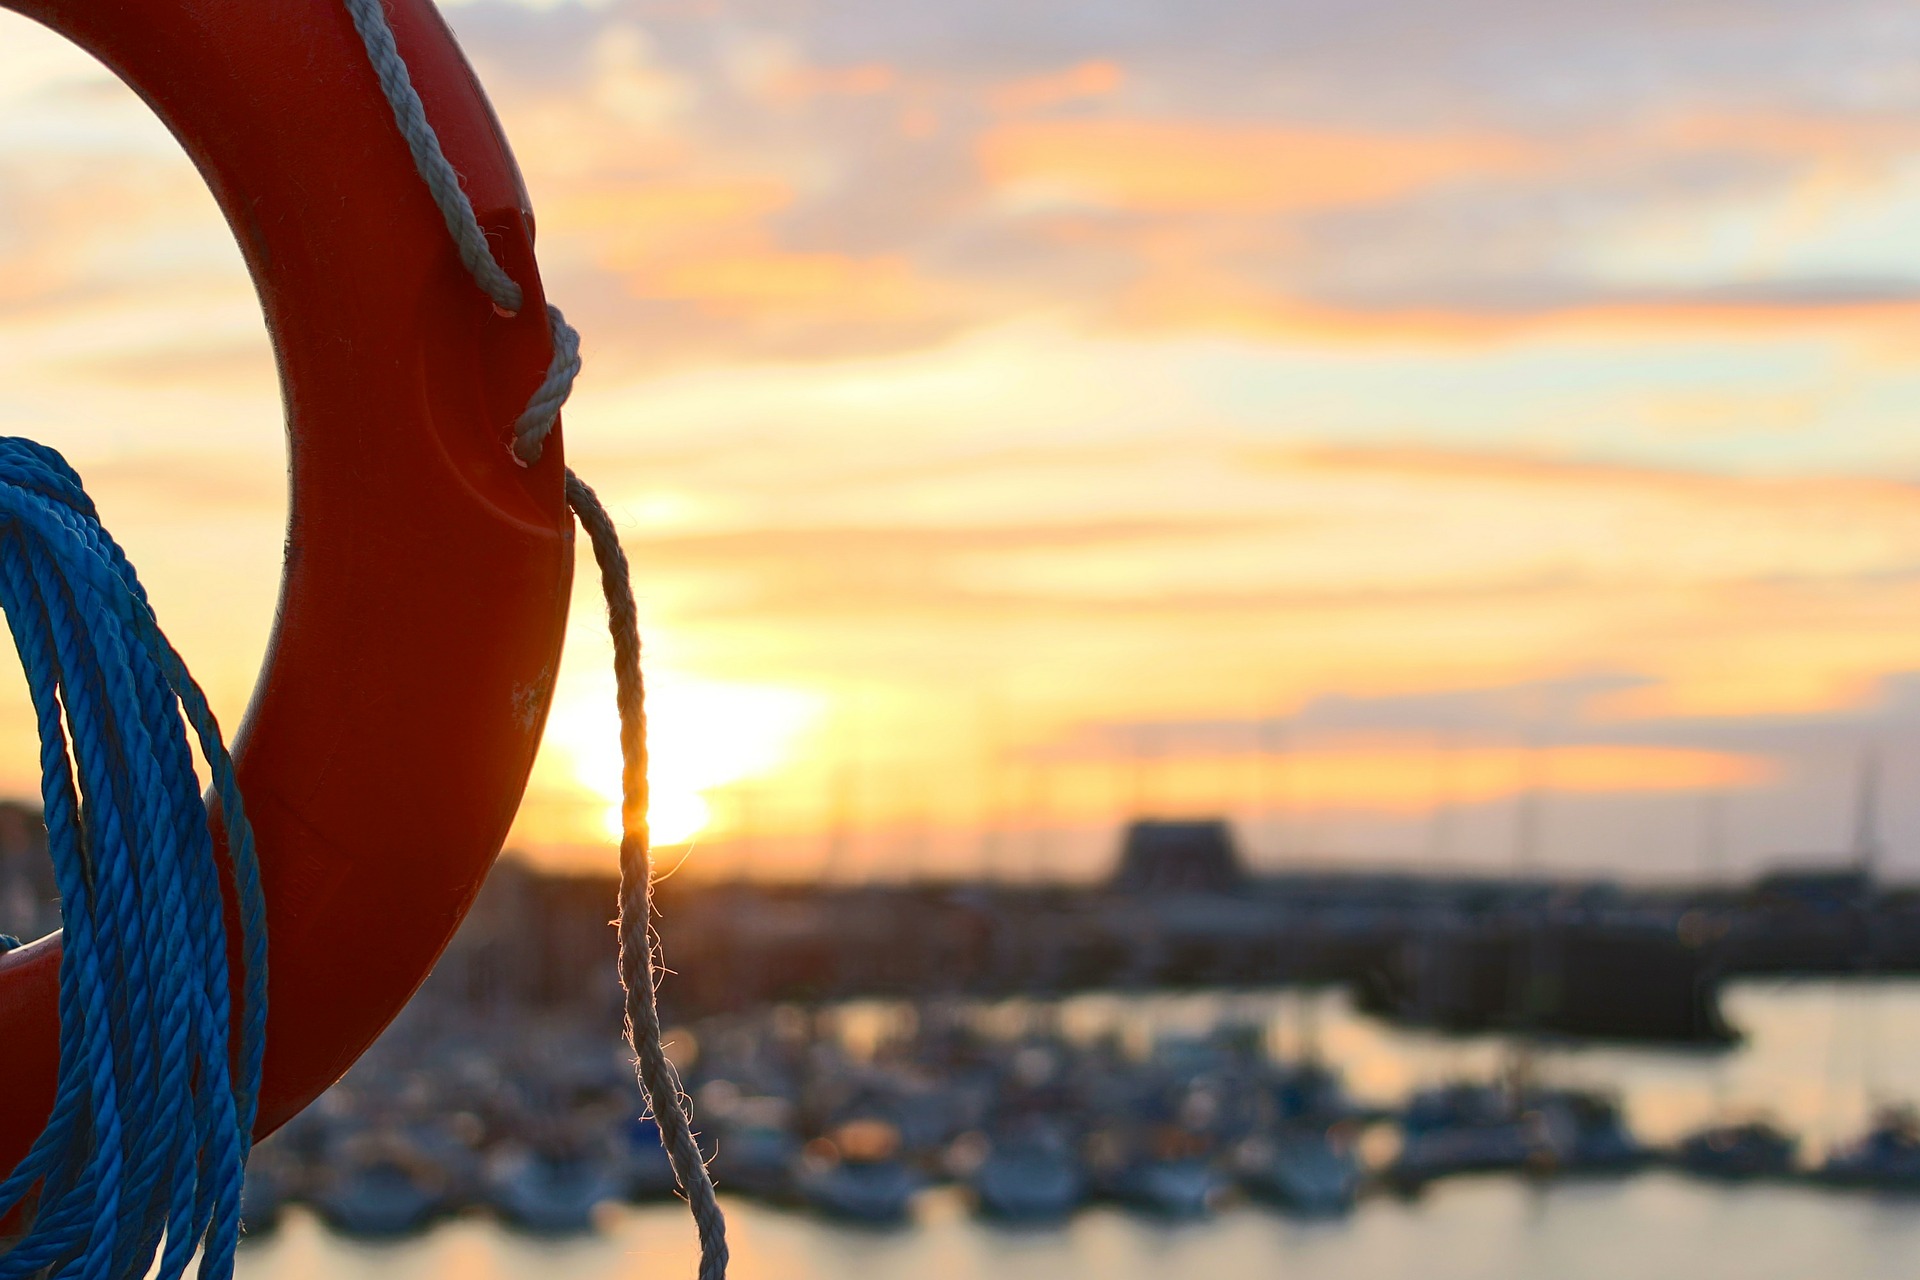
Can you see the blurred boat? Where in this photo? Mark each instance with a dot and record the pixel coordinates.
(754, 1147)
(1180, 1187)
(550, 1192)
(756, 1160)
(854, 1174)
(1885, 1158)
(450, 1145)
(263, 1195)
(1171, 1174)
(1583, 1132)
(1029, 1179)
(877, 1192)
(1461, 1128)
(1308, 1093)
(1310, 1171)
(380, 1196)
(1739, 1151)
(645, 1172)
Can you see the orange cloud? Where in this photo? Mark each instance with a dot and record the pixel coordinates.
(1172, 167)
(709, 242)
(1832, 497)
(772, 280)
(1192, 294)
(1094, 79)
(1369, 571)
(1849, 137)
(1407, 780)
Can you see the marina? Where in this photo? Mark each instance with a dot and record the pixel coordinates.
(1167, 1109)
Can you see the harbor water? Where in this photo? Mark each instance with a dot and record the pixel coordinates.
(1653, 1227)
(1817, 1058)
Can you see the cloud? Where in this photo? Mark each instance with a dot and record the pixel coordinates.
(1362, 591)
(1142, 363)
(1319, 525)
(773, 282)
(1401, 779)
(1160, 166)
(784, 184)
(1081, 82)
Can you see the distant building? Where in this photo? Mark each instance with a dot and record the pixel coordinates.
(533, 938)
(1178, 857)
(1815, 886)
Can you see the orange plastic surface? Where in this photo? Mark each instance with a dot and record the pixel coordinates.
(425, 591)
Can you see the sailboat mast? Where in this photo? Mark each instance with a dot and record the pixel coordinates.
(1867, 845)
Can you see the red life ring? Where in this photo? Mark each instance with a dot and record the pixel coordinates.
(427, 573)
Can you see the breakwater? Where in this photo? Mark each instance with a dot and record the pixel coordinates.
(1574, 958)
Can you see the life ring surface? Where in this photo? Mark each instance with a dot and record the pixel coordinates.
(425, 591)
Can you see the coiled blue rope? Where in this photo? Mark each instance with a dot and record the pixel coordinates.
(153, 1115)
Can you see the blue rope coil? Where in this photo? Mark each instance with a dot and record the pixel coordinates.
(153, 1115)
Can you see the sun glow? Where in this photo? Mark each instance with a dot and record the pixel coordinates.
(702, 735)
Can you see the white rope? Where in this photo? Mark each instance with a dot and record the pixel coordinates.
(530, 430)
(429, 161)
(638, 968)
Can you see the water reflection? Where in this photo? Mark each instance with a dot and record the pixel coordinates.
(1819, 1056)
(1658, 1226)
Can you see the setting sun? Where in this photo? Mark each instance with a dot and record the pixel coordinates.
(702, 735)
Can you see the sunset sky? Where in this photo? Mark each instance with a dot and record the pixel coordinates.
(1354, 419)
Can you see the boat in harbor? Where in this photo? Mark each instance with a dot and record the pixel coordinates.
(1885, 1158)
(1169, 1175)
(644, 1170)
(550, 1192)
(263, 1194)
(1739, 1151)
(1314, 1172)
(756, 1157)
(1178, 1187)
(1462, 1128)
(855, 1174)
(1583, 1131)
(1308, 1092)
(876, 1192)
(1030, 1178)
(379, 1197)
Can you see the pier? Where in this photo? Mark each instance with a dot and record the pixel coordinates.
(1581, 958)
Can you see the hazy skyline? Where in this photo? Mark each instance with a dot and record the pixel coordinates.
(1019, 413)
